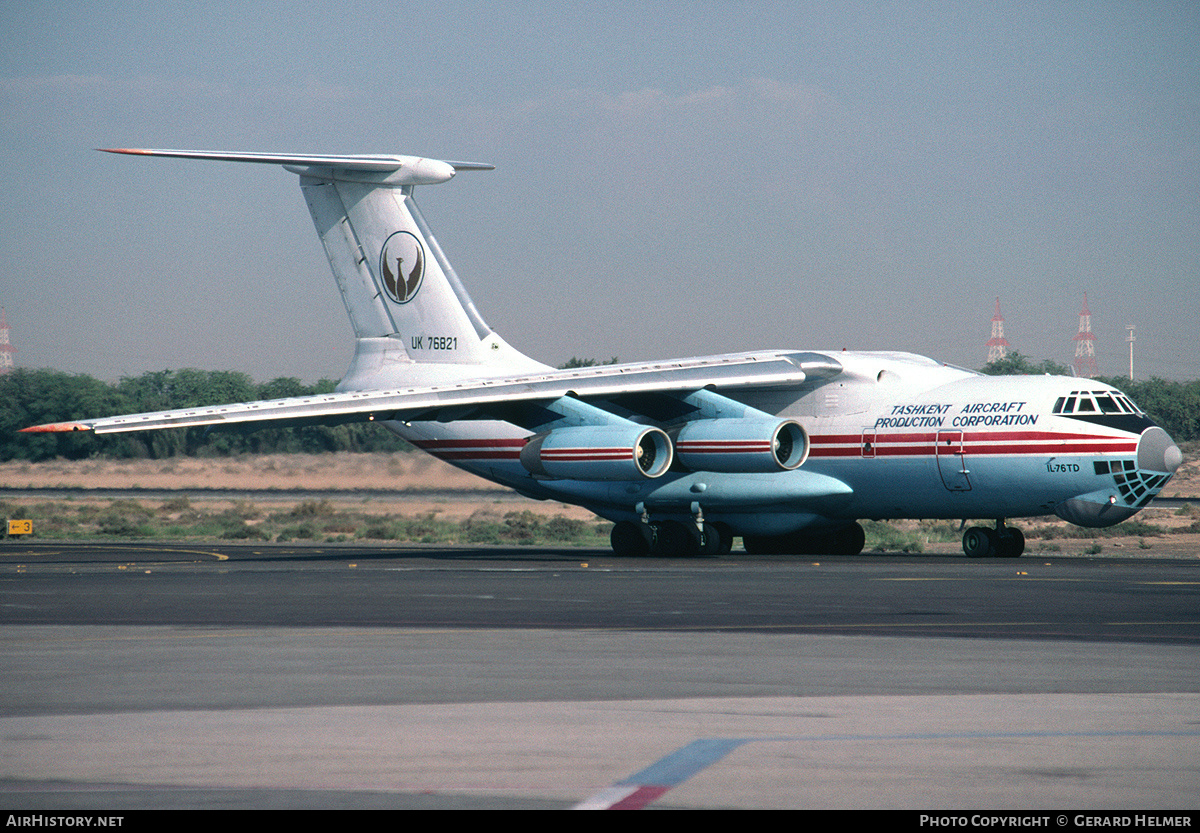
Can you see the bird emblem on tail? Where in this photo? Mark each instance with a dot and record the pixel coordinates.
(404, 279)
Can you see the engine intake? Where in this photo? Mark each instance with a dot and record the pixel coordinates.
(742, 445)
(617, 452)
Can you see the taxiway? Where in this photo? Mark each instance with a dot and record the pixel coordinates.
(345, 676)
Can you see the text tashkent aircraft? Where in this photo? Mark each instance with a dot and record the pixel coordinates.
(786, 449)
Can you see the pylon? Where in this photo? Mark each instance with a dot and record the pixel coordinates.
(998, 345)
(6, 348)
(1085, 345)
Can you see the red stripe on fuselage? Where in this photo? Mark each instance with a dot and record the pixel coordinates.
(974, 443)
(477, 449)
(476, 443)
(971, 443)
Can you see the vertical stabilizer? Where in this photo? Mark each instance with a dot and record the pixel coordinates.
(412, 318)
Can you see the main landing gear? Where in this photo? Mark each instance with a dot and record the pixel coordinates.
(844, 540)
(1001, 542)
(671, 538)
(676, 538)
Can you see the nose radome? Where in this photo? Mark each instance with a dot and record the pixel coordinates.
(1158, 452)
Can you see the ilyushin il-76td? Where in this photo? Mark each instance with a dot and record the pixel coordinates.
(785, 449)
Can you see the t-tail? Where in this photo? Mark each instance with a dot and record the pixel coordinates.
(413, 321)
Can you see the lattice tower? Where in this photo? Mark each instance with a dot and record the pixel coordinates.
(1085, 345)
(998, 345)
(6, 348)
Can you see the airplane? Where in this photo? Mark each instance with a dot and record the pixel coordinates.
(787, 449)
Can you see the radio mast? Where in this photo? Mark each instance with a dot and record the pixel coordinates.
(6, 348)
(1130, 339)
(998, 345)
(1085, 345)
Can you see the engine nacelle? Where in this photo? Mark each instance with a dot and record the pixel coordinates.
(742, 445)
(609, 452)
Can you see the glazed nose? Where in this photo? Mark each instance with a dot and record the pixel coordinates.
(1158, 452)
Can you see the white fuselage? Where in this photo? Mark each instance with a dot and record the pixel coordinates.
(767, 445)
(892, 436)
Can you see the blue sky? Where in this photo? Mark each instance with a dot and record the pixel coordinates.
(672, 179)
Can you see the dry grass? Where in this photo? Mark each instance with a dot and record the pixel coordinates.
(467, 505)
(269, 471)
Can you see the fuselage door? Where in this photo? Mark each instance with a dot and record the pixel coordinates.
(952, 461)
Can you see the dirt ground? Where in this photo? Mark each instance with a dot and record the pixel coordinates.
(269, 471)
(347, 473)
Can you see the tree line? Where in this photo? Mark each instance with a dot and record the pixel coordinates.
(32, 397)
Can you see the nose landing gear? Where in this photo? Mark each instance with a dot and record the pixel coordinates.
(1001, 542)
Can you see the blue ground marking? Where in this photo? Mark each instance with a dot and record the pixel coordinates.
(685, 762)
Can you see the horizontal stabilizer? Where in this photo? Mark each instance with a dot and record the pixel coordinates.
(416, 170)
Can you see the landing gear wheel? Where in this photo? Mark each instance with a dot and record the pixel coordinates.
(979, 542)
(708, 540)
(1011, 543)
(671, 538)
(724, 536)
(630, 539)
(760, 544)
(849, 540)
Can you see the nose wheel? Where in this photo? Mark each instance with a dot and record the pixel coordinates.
(1001, 542)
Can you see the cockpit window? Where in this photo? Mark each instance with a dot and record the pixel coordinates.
(1125, 400)
(1106, 401)
(1107, 404)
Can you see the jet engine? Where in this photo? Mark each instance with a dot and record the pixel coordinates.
(613, 452)
(742, 445)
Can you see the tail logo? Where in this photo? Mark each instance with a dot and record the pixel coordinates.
(402, 264)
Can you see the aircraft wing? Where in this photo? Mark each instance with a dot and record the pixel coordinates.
(454, 399)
